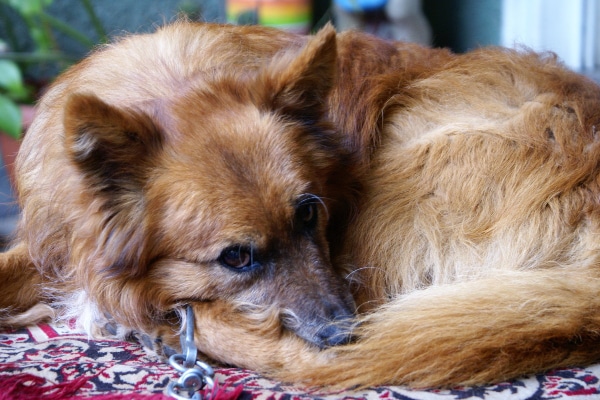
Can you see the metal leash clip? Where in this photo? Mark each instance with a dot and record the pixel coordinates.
(196, 375)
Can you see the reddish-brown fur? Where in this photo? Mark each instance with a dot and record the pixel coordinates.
(453, 199)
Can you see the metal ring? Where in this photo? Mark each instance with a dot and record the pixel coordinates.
(192, 380)
(207, 369)
(176, 361)
(173, 391)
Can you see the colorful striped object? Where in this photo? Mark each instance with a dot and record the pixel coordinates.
(291, 15)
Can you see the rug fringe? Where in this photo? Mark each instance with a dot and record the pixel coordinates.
(27, 387)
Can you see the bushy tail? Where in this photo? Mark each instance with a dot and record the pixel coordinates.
(480, 331)
(20, 291)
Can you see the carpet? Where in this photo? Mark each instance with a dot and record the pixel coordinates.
(53, 361)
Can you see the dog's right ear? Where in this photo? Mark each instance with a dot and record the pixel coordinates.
(108, 144)
(300, 81)
(114, 150)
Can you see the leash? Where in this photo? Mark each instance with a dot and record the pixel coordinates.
(196, 377)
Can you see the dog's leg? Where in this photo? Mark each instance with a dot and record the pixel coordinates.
(480, 331)
(249, 340)
(20, 299)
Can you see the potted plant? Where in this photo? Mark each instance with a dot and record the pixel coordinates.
(16, 112)
(18, 94)
(30, 46)
(12, 91)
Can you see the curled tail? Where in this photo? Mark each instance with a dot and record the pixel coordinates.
(474, 332)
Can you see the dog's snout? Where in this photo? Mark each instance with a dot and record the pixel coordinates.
(327, 324)
(339, 330)
(335, 334)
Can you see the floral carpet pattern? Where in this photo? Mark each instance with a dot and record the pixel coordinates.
(55, 362)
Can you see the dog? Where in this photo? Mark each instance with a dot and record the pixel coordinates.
(337, 210)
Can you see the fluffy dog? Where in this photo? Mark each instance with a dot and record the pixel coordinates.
(338, 210)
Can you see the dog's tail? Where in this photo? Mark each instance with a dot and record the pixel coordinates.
(20, 291)
(480, 331)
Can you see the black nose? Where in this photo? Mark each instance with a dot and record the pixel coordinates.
(334, 335)
(339, 330)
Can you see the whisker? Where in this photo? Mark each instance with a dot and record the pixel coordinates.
(349, 277)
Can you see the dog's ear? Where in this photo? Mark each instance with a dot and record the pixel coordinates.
(108, 144)
(114, 151)
(301, 81)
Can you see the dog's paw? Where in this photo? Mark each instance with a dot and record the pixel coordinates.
(154, 344)
(107, 328)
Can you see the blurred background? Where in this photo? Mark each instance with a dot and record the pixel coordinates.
(40, 38)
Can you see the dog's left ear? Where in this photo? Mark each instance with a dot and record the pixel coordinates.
(114, 151)
(300, 81)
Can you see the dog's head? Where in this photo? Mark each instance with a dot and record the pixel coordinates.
(221, 193)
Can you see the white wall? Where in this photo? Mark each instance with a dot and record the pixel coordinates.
(570, 28)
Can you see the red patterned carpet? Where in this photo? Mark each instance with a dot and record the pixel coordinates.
(55, 362)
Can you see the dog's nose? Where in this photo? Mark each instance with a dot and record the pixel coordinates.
(334, 335)
(339, 330)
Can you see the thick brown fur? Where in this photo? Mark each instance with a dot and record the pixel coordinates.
(274, 182)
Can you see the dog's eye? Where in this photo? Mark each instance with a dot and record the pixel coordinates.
(306, 215)
(236, 257)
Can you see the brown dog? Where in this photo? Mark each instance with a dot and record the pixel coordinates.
(272, 181)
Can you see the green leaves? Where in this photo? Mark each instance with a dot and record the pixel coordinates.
(11, 89)
(32, 12)
(11, 80)
(10, 117)
(29, 7)
(10, 76)
(41, 26)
